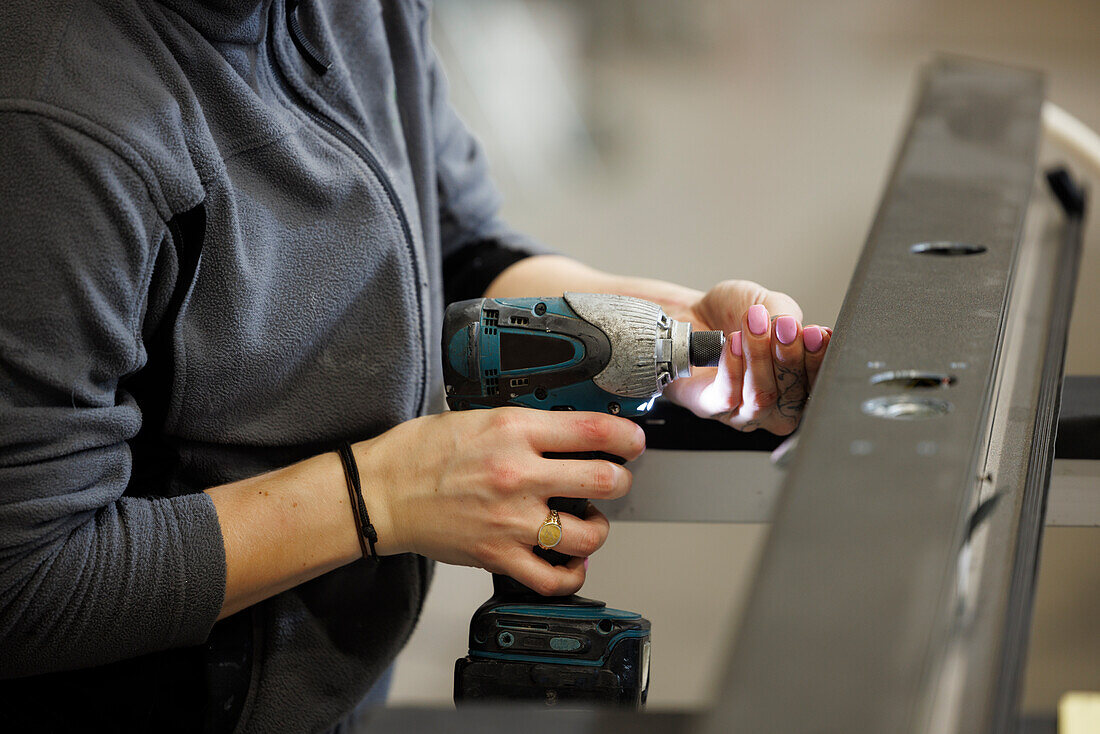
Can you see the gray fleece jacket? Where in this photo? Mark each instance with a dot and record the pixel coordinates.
(216, 260)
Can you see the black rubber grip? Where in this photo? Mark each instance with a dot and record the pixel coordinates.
(705, 348)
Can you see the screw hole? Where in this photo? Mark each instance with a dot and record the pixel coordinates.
(946, 249)
(913, 379)
(905, 408)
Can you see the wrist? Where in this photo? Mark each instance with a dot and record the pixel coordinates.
(341, 519)
(376, 498)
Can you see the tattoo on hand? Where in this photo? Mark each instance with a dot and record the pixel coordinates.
(792, 393)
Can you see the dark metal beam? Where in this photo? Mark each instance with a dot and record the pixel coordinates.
(856, 595)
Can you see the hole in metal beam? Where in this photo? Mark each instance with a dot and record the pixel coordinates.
(913, 379)
(946, 249)
(905, 407)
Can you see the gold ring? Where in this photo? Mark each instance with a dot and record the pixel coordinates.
(550, 531)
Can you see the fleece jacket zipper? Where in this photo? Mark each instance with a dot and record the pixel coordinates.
(317, 60)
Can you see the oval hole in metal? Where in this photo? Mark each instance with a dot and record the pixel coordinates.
(946, 249)
(906, 407)
(913, 379)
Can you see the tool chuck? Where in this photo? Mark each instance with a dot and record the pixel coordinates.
(706, 348)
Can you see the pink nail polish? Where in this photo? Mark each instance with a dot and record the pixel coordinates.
(735, 343)
(812, 338)
(786, 329)
(585, 564)
(758, 320)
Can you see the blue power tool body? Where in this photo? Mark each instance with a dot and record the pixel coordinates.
(580, 351)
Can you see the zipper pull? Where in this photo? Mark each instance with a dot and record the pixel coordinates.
(310, 53)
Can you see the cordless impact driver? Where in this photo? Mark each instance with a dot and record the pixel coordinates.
(581, 351)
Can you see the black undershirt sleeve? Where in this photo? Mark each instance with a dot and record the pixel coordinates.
(468, 271)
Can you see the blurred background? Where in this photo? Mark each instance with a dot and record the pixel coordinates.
(708, 139)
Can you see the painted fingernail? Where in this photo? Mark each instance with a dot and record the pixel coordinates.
(786, 329)
(758, 320)
(735, 343)
(812, 338)
(585, 564)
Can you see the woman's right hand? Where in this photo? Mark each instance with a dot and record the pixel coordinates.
(471, 488)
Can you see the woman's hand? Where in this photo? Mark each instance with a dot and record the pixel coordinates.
(769, 364)
(766, 373)
(471, 488)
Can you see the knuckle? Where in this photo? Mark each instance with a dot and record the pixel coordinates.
(594, 429)
(611, 481)
(604, 475)
(758, 348)
(506, 421)
(789, 356)
(763, 400)
(503, 475)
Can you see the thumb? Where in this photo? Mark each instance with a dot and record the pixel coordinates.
(779, 303)
(688, 392)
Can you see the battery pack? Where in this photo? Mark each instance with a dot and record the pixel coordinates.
(577, 652)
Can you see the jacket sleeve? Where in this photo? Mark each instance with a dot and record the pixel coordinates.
(476, 244)
(87, 575)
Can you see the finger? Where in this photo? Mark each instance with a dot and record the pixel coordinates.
(568, 431)
(722, 397)
(758, 393)
(539, 576)
(589, 478)
(816, 340)
(790, 374)
(582, 537)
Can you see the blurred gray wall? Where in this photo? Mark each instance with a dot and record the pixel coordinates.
(701, 140)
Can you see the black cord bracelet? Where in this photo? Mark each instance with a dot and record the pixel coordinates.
(363, 527)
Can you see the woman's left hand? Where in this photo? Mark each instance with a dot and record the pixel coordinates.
(768, 366)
